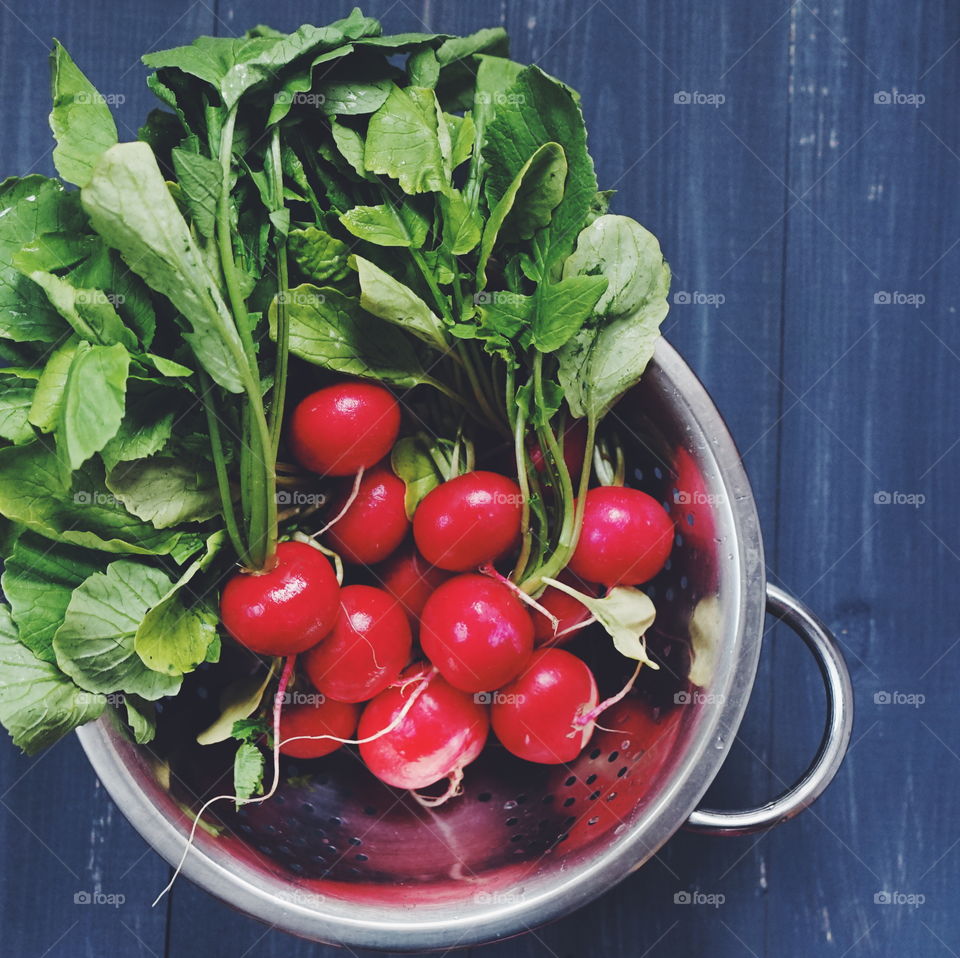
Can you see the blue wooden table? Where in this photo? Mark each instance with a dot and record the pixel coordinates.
(800, 165)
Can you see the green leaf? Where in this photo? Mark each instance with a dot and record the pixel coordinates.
(608, 356)
(141, 717)
(503, 313)
(320, 256)
(95, 643)
(562, 309)
(92, 404)
(146, 426)
(298, 88)
(201, 180)
(537, 110)
(51, 252)
(412, 463)
(29, 208)
(330, 330)
(38, 579)
(528, 203)
(248, 770)
(175, 639)
(353, 97)
(625, 612)
(238, 701)
(351, 146)
(81, 121)
(462, 134)
(385, 225)
(403, 141)
(423, 68)
(628, 255)
(461, 223)
(38, 704)
(15, 403)
(131, 208)
(84, 514)
(89, 311)
(389, 299)
(48, 396)
(165, 491)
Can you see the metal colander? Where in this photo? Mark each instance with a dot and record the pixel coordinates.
(337, 856)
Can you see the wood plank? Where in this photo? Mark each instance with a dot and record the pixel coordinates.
(60, 835)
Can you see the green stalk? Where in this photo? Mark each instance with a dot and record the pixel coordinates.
(283, 318)
(520, 452)
(220, 468)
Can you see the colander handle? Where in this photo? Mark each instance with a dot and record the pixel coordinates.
(836, 735)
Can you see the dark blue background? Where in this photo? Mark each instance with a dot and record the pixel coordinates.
(797, 200)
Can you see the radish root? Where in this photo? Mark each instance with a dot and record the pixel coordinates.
(489, 570)
(454, 788)
(587, 717)
(278, 701)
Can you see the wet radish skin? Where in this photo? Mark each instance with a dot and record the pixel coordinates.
(343, 428)
(411, 580)
(468, 520)
(626, 537)
(476, 632)
(570, 611)
(366, 650)
(444, 731)
(336, 719)
(376, 521)
(533, 715)
(286, 610)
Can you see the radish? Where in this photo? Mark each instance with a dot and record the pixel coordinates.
(468, 520)
(440, 735)
(286, 609)
(570, 612)
(411, 580)
(368, 647)
(342, 428)
(536, 716)
(574, 441)
(476, 632)
(374, 523)
(304, 724)
(625, 540)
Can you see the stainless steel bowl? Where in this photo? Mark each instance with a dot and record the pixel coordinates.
(338, 857)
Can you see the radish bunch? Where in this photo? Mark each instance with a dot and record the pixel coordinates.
(426, 642)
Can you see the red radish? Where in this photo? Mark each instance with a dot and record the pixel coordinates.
(476, 632)
(367, 649)
(574, 449)
(535, 715)
(342, 428)
(443, 732)
(337, 720)
(572, 615)
(468, 520)
(286, 610)
(626, 537)
(375, 523)
(411, 580)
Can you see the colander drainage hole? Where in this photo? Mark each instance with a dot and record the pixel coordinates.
(484, 797)
(594, 795)
(356, 841)
(593, 821)
(521, 799)
(570, 780)
(369, 810)
(622, 772)
(516, 838)
(595, 753)
(548, 799)
(613, 756)
(334, 820)
(361, 857)
(569, 821)
(568, 802)
(511, 821)
(307, 808)
(590, 779)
